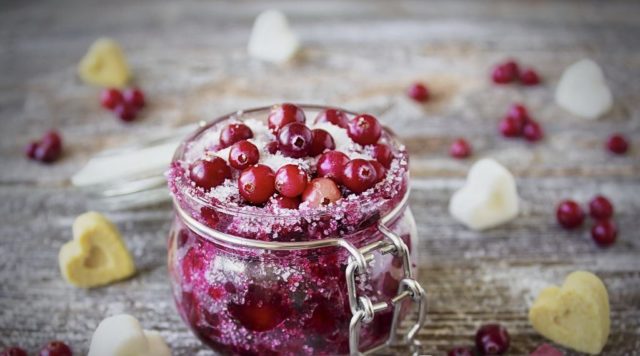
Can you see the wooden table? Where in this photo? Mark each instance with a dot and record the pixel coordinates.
(190, 58)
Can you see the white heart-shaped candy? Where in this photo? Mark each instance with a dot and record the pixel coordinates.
(122, 335)
(488, 198)
(272, 38)
(583, 90)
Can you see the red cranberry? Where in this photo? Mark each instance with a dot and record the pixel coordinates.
(505, 72)
(381, 172)
(321, 191)
(295, 140)
(209, 174)
(323, 319)
(257, 184)
(321, 142)
(291, 180)
(125, 112)
(287, 203)
(460, 148)
(383, 154)
(617, 144)
(13, 351)
(359, 175)
(134, 97)
(243, 154)
(30, 149)
(418, 92)
(56, 348)
(569, 214)
(234, 133)
(262, 309)
(604, 233)
(49, 149)
(272, 147)
(364, 129)
(284, 114)
(529, 77)
(110, 98)
(510, 127)
(492, 339)
(331, 164)
(600, 208)
(519, 113)
(533, 131)
(334, 116)
(460, 351)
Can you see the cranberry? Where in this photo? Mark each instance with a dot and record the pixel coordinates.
(510, 127)
(381, 172)
(492, 339)
(321, 191)
(364, 129)
(56, 348)
(291, 180)
(294, 140)
(460, 148)
(519, 113)
(324, 317)
(110, 98)
(262, 310)
(418, 92)
(617, 144)
(243, 154)
(209, 174)
(13, 351)
(284, 114)
(600, 208)
(334, 116)
(546, 350)
(505, 73)
(272, 147)
(321, 142)
(234, 133)
(49, 149)
(134, 97)
(533, 131)
(604, 233)
(383, 154)
(529, 77)
(460, 351)
(287, 203)
(569, 214)
(359, 175)
(331, 165)
(125, 111)
(257, 184)
(30, 149)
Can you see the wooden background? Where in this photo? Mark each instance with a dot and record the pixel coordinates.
(190, 58)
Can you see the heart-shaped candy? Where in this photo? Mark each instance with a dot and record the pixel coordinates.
(272, 39)
(583, 90)
(575, 315)
(96, 255)
(104, 65)
(488, 198)
(122, 335)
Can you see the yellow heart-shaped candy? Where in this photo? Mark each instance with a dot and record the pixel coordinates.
(104, 65)
(575, 315)
(96, 255)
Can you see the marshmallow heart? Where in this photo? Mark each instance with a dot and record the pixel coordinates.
(122, 335)
(488, 198)
(96, 255)
(272, 39)
(575, 315)
(104, 65)
(583, 90)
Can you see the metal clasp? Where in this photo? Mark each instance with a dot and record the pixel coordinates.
(364, 310)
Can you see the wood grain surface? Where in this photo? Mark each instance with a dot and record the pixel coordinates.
(190, 58)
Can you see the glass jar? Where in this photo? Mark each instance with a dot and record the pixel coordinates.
(336, 281)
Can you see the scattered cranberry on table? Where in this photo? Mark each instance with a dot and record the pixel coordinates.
(505, 73)
(233, 133)
(243, 154)
(209, 174)
(418, 92)
(134, 97)
(13, 351)
(334, 116)
(291, 180)
(125, 112)
(529, 77)
(532, 131)
(364, 129)
(460, 351)
(517, 122)
(617, 144)
(460, 149)
(257, 184)
(510, 128)
(47, 150)
(569, 214)
(56, 348)
(284, 114)
(600, 208)
(359, 175)
(125, 104)
(604, 232)
(492, 339)
(110, 98)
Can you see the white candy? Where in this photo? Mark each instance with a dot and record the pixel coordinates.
(489, 197)
(272, 39)
(122, 335)
(583, 90)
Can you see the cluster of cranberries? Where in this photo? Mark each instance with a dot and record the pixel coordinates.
(491, 339)
(53, 348)
(617, 144)
(257, 183)
(517, 122)
(509, 72)
(604, 232)
(125, 104)
(47, 149)
(419, 92)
